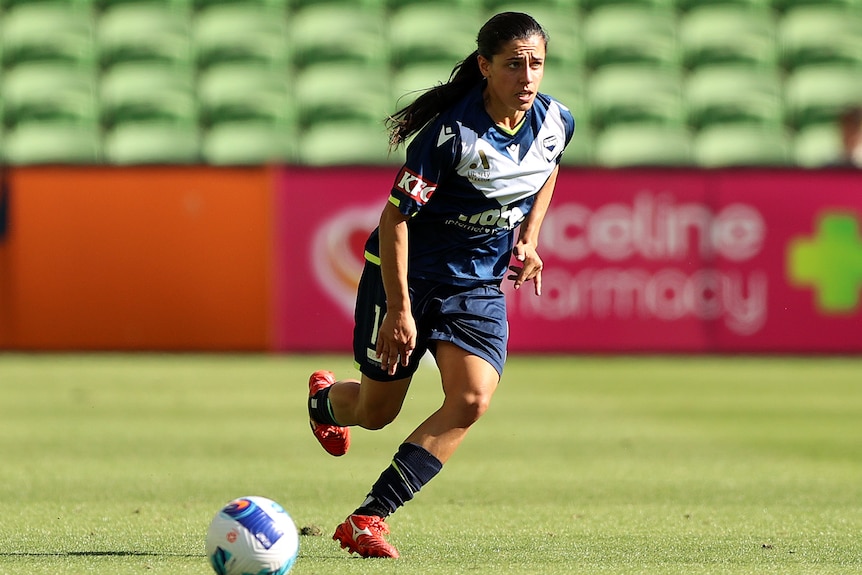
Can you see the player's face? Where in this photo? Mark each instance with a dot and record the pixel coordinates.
(514, 75)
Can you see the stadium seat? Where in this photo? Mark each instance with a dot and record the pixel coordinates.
(370, 4)
(408, 82)
(821, 34)
(144, 31)
(785, 5)
(248, 143)
(727, 33)
(49, 91)
(816, 94)
(818, 146)
(727, 145)
(235, 91)
(686, 5)
(580, 150)
(436, 4)
(52, 143)
(335, 31)
(643, 145)
(152, 142)
(562, 23)
(240, 31)
(346, 143)
(717, 94)
(46, 30)
(342, 91)
(569, 86)
(416, 32)
(146, 91)
(635, 93)
(495, 6)
(625, 33)
(600, 4)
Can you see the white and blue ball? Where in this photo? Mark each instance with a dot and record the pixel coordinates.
(252, 536)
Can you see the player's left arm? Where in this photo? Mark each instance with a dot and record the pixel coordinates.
(525, 250)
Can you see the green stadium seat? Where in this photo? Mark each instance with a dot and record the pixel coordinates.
(818, 146)
(339, 91)
(635, 93)
(152, 142)
(785, 5)
(49, 91)
(565, 83)
(686, 5)
(580, 151)
(138, 91)
(496, 6)
(370, 4)
(728, 145)
(563, 25)
(624, 33)
(718, 94)
(144, 31)
(55, 142)
(600, 4)
(821, 34)
(408, 82)
(643, 145)
(333, 31)
(46, 30)
(248, 143)
(425, 32)
(816, 94)
(346, 143)
(240, 31)
(728, 33)
(444, 5)
(233, 91)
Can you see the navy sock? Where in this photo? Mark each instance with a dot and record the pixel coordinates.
(412, 467)
(319, 408)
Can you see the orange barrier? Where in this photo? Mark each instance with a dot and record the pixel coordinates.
(136, 259)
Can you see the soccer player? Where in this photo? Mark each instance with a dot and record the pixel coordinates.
(483, 162)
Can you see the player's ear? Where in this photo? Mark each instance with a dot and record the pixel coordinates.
(484, 65)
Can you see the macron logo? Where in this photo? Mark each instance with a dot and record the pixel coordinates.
(830, 262)
(414, 186)
(446, 134)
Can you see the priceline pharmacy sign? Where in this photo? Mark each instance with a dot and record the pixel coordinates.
(635, 260)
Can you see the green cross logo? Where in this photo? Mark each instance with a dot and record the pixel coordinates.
(830, 262)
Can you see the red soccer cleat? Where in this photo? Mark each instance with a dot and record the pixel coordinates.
(335, 440)
(363, 534)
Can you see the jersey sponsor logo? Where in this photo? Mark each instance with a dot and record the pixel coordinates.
(414, 186)
(491, 220)
(480, 175)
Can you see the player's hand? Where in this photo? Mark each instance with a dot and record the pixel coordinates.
(530, 268)
(396, 340)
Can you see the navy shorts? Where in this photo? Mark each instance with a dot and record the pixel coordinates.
(473, 318)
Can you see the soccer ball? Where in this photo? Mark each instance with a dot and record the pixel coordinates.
(252, 536)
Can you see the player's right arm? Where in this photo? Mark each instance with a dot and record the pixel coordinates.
(397, 337)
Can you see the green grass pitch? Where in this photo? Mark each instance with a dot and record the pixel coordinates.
(613, 465)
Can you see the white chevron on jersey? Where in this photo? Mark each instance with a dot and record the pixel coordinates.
(446, 134)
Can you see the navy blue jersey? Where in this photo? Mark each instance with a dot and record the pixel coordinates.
(467, 184)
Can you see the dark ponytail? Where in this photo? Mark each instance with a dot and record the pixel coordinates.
(497, 31)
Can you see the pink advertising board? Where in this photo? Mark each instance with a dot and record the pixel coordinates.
(635, 260)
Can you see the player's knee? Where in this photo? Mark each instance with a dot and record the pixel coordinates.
(374, 418)
(470, 408)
